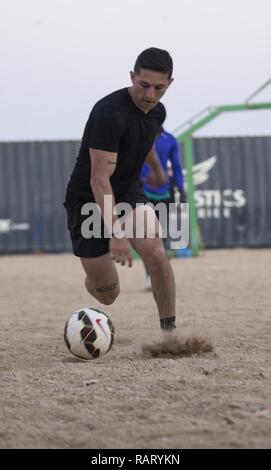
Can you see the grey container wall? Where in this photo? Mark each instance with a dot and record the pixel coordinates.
(232, 182)
(233, 190)
(33, 177)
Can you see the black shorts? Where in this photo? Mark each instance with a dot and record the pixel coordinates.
(94, 247)
(157, 201)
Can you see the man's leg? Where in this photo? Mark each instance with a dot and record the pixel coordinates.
(102, 279)
(165, 230)
(148, 284)
(153, 254)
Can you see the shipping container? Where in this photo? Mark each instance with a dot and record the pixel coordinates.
(232, 193)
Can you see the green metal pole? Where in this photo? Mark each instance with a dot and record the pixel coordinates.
(194, 231)
(202, 122)
(215, 112)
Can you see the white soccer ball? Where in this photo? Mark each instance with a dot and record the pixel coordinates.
(89, 333)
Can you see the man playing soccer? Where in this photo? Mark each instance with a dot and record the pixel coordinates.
(118, 137)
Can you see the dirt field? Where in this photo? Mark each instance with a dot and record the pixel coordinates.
(49, 399)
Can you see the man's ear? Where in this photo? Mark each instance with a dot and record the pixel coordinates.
(132, 75)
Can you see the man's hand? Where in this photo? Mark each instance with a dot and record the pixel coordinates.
(120, 251)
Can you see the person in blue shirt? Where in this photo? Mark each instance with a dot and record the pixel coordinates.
(167, 149)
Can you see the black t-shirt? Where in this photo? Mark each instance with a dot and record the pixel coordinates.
(116, 124)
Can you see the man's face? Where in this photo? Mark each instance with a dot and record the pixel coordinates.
(148, 88)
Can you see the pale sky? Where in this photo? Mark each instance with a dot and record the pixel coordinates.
(58, 57)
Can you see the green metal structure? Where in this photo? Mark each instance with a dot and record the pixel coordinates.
(184, 135)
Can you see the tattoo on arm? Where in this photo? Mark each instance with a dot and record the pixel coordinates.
(106, 288)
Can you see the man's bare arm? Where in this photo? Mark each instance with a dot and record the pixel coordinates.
(158, 176)
(103, 165)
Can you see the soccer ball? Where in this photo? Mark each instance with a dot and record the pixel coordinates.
(89, 333)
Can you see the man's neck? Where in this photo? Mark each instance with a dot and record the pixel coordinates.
(130, 91)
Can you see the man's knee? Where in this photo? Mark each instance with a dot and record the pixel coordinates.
(106, 294)
(155, 252)
(108, 298)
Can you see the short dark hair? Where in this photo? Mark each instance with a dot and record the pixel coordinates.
(154, 59)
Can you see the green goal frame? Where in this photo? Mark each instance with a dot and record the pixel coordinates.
(185, 137)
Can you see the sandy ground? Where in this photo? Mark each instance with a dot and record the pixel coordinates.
(49, 399)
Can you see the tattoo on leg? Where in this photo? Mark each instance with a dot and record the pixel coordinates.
(107, 288)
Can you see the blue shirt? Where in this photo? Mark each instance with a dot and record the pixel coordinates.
(168, 151)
